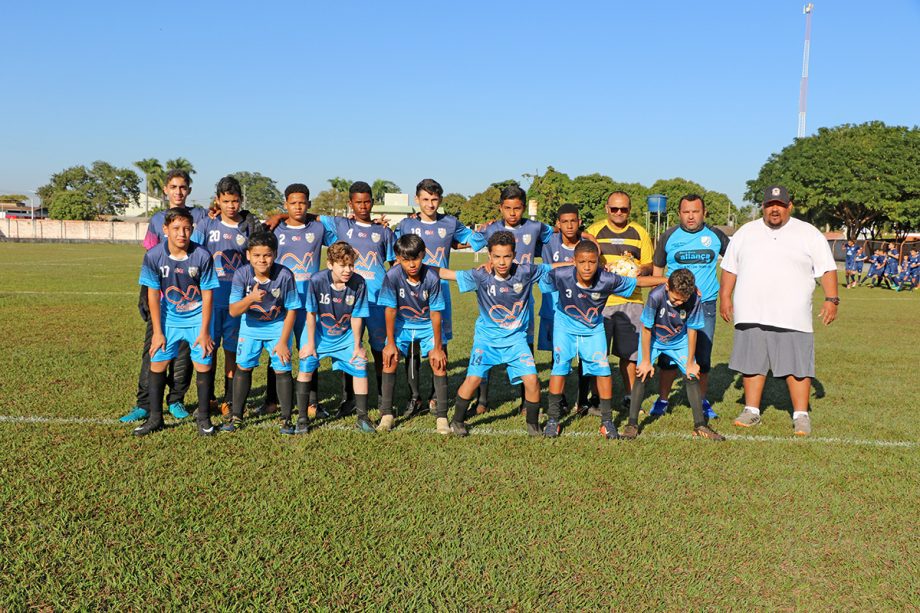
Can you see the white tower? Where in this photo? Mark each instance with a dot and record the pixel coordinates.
(803, 90)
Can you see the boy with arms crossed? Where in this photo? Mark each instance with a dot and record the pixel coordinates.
(414, 305)
(179, 277)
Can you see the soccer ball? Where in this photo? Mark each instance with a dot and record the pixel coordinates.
(627, 267)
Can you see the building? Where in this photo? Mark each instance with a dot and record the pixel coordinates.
(21, 210)
(144, 205)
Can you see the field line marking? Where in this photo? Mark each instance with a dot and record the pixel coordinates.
(497, 432)
(65, 293)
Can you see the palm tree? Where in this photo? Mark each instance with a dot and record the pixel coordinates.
(180, 164)
(340, 187)
(381, 187)
(154, 176)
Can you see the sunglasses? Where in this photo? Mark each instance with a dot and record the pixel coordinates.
(618, 209)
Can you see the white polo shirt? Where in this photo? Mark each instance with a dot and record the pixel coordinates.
(776, 271)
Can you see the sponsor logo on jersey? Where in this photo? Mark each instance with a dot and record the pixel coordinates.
(695, 256)
(295, 238)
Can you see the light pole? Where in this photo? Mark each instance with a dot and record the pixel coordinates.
(803, 89)
(32, 205)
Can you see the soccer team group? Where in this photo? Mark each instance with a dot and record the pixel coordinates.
(222, 278)
(885, 267)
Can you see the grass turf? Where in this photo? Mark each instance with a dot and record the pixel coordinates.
(93, 518)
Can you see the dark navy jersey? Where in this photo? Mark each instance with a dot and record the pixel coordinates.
(438, 237)
(504, 304)
(334, 308)
(529, 237)
(155, 234)
(554, 251)
(265, 319)
(300, 250)
(374, 244)
(877, 263)
(227, 244)
(413, 302)
(697, 251)
(580, 309)
(180, 281)
(913, 262)
(860, 258)
(668, 323)
(850, 252)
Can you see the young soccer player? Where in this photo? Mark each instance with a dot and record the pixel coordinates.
(500, 336)
(414, 305)
(581, 292)
(876, 269)
(913, 267)
(225, 238)
(373, 245)
(439, 231)
(891, 266)
(671, 320)
(859, 261)
(850, 252)
(530, 236)
(336, 308)
(265, 295)
(300, 241)
(179, 277)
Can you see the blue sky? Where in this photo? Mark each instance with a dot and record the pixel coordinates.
(467, 93)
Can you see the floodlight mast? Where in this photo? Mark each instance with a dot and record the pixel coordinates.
(803, 89)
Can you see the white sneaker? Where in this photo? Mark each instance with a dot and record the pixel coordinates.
(802, 425)
(442, 426)
(386, 423)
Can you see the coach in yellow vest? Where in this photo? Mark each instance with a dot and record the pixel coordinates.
(627, 246)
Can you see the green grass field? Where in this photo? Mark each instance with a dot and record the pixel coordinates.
(94, 518)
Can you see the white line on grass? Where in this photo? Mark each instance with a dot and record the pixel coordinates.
(499, 432)
(65, 293)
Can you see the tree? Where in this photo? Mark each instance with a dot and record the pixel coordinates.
(261, 195)
(13, 198)
(325, 202)
(71, 204)
(590, 193)
(550, 190)
(180, 163)
(340, 188)
(154, 175)
(382, 187)
(453, 204)
(718, 205)
(482, 207)
(104, 188)
(864, 177)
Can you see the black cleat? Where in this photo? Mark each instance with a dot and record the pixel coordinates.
(148, 427)
(534, 430)
(346, 408)
(413, 407)
(458, 428)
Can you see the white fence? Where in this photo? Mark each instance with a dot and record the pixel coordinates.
(58, 230)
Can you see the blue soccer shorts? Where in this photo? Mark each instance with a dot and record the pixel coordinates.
(174, 336)
(447, 325)
(703, 352)
(226, 329)
(300, 322)
(517, 357)
(677, 353)
(341, 352)
(406, 337)
(591, 349)
(545, 335)
(376, 326)
(248, 351)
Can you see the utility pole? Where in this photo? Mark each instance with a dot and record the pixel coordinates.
(803, 90)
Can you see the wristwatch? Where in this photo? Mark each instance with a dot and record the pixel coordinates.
(835, 300)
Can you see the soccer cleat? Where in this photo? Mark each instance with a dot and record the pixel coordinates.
(148, 427)
(481, 409)
(458, 428)
(287, 428)
(225, 410)
(708, 433)
(534, 430)
(136, 414)
(609, 430)
(707, 410)
(413, 407)
(206, 428)
(442, 426)
(802, 425)
(432, 405)
(659, 408)
(346, 408)
(747, 419)
(593, 411)
(232, 425)
(551, 429)
(177, 410)
(365, 425)
(630, 432)
(303, 426)
(386, 423)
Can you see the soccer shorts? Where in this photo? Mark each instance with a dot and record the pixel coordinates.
(405, 338)
(530, 321)
(545, 337)
(226, 329)
(677, 353)
(447, 325)
(300, 321)
(341, 354)
(517, 357)
(174, 336)
(248, 351)
(591, 349)
(376, 325)
(622, 324)
(703, 352)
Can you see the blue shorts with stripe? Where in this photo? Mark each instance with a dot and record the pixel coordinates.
(677, 354)
(406, 337)
(341, 353)
(226, 329)
(248, 351)
(590, 349)
(174, 336)
(517, 357)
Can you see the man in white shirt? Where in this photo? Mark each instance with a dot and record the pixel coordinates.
(768, 278)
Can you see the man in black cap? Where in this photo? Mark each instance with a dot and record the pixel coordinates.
(768, 278)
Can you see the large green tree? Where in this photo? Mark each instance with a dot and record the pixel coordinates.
(550, 190)
(859, 176)
(262, 196)
(719, 207)
(340, 186)
(453, 204)
(101, 189)
(482, 207)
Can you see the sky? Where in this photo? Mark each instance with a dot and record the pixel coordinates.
(467, 93)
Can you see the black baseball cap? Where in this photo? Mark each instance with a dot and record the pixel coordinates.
(775, 193)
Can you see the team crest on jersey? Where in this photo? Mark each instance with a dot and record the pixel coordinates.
(518, 288)
(240, 239)
(595, 295)
(706, 240)
(425, 295)
(375, 237)
(310, 237)
(276, 292)
(527, 239)
(349, 300)
(193, 271)
(442, 232)
(683, 314)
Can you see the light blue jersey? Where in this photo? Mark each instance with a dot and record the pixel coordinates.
(373, 244)
(696, 251)
(180, 282)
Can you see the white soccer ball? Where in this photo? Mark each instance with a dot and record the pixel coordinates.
(627, 267)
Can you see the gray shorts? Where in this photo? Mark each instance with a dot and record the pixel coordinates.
(622, 325)
(759, 349)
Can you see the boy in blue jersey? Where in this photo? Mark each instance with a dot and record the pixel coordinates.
(530, 236)
(696, 246)
(264, 294)
(850, 251)
(671, 319)
(179, 277)
(581, 292)
(414, 305)
(301, 237)
(891, 266)
(913, 267)
(225, 239)
(859, 261)
(504, 294)
(373, 245)
(336, 306)
(876, 269)
(439, 232)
